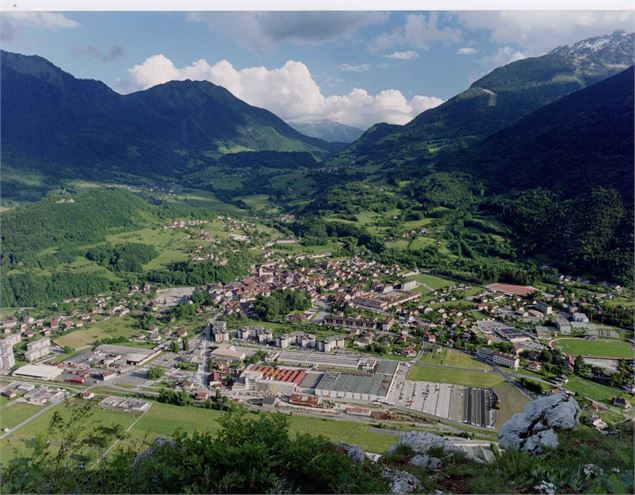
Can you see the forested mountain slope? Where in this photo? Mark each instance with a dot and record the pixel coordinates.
(495, 101)
(53, 120)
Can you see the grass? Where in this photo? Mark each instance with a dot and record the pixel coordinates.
(596, 348)
(592, 390)
(170, 244)
(166, 419)
(457, 377)
(512, 401)
(13, 413)
(258, 202)
(452, 357)
(110, 328)
(432, 281)
(19, 441)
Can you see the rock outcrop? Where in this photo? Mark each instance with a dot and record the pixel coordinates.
(354, 452)
(421, 442)
(425, 461)
(536, 427)
(400, 481)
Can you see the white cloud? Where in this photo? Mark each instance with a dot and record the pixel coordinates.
(466, 51)
(537, 32)
(407, 55)
(419, 31)
(49, 20)
(354, 67)
(289, 91)
(262, 30)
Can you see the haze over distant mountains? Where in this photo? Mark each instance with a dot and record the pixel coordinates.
(328, 131)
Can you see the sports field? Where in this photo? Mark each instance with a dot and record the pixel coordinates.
(458, 377)
(596, 348)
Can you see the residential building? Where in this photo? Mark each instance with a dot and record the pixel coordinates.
(508, 360)
(36, 350)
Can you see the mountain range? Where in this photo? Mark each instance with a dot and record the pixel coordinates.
(580, 140)
(544, 142)
(52, 119)
(493, 102)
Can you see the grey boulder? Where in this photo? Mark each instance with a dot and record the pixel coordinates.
(400, 481)
(536, 427)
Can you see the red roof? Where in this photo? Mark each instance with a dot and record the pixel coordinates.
(287, 375)
(518, 290)
(305, 400)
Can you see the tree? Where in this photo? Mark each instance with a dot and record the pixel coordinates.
(186, 344)
(155, 373)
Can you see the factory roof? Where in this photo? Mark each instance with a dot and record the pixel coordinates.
(377, 384)
(43, 371)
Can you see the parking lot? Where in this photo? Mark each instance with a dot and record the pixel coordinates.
(454, 402)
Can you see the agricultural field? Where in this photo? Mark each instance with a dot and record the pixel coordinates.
(453, 358)
(112, 327)
(595, 348)
(459, 377)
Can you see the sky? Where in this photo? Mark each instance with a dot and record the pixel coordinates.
(355, 68)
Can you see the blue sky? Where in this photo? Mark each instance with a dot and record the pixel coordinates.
(356, 68)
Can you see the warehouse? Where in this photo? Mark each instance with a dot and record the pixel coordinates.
(41, 371)
(357, 387)
(368, 387)
(324, 361)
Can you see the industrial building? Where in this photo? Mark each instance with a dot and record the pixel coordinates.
(324, 361)
(228, 354)
(273, 380)
(385, 301)
(373, 386)
(125, 404)
(454, 402)
(42, 371)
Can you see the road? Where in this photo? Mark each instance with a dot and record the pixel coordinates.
(119, 439)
